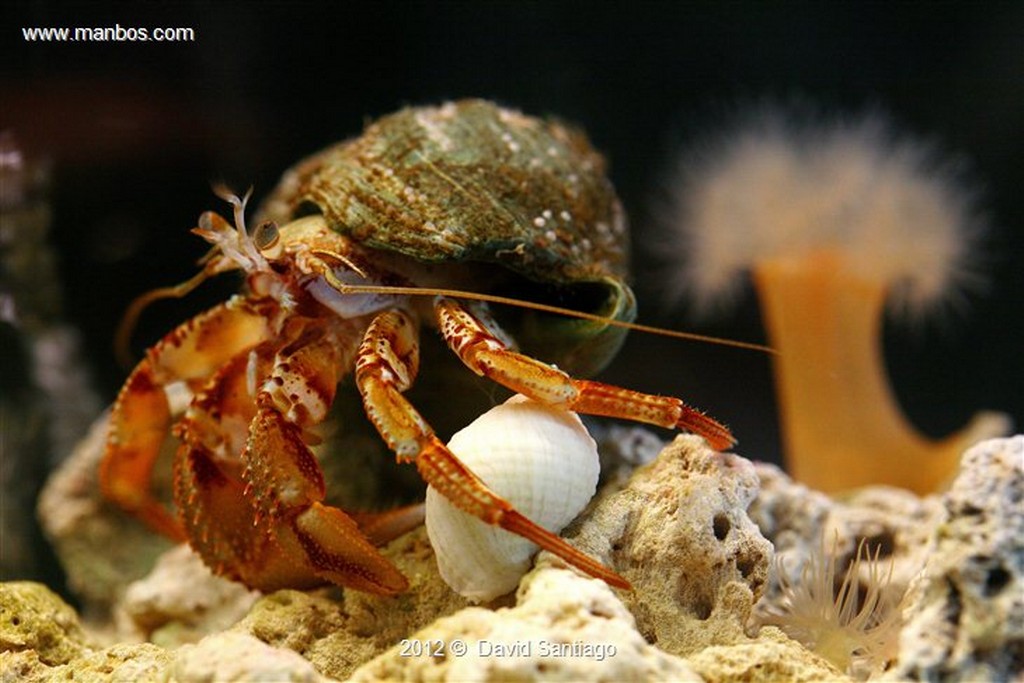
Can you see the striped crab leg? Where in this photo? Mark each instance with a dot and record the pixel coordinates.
(478, 341)
(386, 366)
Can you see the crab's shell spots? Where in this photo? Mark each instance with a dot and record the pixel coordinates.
(543, 461)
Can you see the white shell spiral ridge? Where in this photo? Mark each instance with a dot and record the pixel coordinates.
(539, 458)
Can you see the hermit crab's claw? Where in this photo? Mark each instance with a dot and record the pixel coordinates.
(260, 518)
(270, 529)
(142, 413)
(286, 484)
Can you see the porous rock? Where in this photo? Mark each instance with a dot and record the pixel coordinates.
(679, 532)
(181, 601)
(965, 613)
(23, 666)
(41, 639)
(563, 627)
(116, 664)
(124, 663)
(142, 663)
(801, 523)
(339, 635)
(773, 656)
(32, 617)
(301, 621)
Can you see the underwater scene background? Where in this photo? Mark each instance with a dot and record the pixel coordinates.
(109, 150)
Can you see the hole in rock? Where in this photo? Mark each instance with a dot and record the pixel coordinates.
(721, 526)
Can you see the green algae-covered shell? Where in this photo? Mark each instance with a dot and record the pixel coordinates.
(470, 181)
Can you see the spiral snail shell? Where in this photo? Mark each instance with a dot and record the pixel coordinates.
(539, 458)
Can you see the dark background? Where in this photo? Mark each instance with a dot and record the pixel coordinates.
(136, 133)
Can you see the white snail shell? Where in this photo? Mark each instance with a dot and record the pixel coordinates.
(543, 461)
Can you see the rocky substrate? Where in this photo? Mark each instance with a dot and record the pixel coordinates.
(701, 536)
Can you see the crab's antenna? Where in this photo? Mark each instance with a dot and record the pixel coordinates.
(123, 337)
(345, 288)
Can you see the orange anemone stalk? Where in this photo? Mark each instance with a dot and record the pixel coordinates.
(836, 222)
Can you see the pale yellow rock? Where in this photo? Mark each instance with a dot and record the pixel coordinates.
(679, 532)
(296, 620)
(137, 663)
(22, 666)
(338, 635)
(41, 639)
(772, 657)
(233, 657)
(564, 627)
(181, 601)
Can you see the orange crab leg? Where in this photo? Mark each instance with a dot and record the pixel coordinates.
(482, 346)
(385, 367)
(141, 415)
(384, 527)
(138, 425)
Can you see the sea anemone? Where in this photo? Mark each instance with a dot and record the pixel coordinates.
(855, 626)
(836, 220)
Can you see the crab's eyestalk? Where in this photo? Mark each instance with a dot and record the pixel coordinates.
(238, 248)
(836, 221)
(267, 239)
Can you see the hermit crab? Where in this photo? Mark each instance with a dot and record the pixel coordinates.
(429, 218)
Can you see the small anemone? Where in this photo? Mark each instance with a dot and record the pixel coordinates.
(855, 626)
